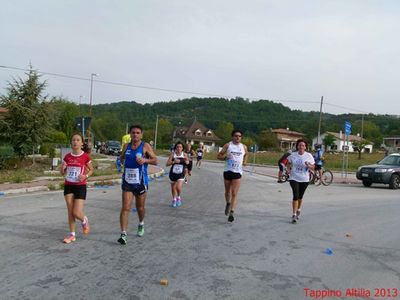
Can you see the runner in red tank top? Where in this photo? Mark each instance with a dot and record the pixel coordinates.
(76, 168)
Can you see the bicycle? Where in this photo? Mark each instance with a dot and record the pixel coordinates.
(327, 177)
(285, 174)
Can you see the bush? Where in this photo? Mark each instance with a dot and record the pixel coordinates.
(48, 149)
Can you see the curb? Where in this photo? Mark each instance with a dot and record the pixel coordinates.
(91, 184)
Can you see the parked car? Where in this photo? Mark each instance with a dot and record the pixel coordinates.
(386, 171)
(113, 148)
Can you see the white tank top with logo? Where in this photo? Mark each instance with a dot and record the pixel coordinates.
(234, 158)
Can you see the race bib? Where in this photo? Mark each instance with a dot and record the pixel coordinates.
(132, 176)
(73, 174)
(177, 169)
(199, 154)
(233, 165)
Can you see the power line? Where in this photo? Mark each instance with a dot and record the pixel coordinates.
(152, 88)
(174, 90)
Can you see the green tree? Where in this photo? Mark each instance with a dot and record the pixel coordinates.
(267, 140)
(248, 141)
(328, 140)
(27, 123)
(108, 127)
(164, 132)
(224, 130)
(359, 146)
(64, 113)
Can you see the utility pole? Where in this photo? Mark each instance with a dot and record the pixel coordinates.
(362, 127)
(90, 109)
(155, 138)
(320, 119)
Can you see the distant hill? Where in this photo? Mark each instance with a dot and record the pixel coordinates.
(250, 116)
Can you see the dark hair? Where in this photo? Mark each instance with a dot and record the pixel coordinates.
(179, 143)
(135, 126)
(85, 146)
(300, 141)
(236, 131)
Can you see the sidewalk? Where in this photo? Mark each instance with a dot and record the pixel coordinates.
(49, 183)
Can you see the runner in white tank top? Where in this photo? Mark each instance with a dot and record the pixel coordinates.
(235, 155)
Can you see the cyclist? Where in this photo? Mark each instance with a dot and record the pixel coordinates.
(282, 164)
(319, 160)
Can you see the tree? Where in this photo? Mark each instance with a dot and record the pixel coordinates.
(359, 146)
(267, 140)
(64, 114)
(27, 123)
(223, 131)
(328, 140)
(164, 132)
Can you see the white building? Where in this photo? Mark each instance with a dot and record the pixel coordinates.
(341, 141)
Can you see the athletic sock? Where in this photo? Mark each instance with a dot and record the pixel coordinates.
(72, 233)
(123, 232)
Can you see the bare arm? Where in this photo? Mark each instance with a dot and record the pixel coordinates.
(151, 157)
(246, 155)
(170, 160)
(89, 167)
(222, 154)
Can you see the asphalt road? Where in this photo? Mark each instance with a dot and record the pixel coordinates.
(261, 255)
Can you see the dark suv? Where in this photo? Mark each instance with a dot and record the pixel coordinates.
(113, 148)
(386, 171)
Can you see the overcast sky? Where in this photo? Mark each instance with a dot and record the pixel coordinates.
(289, 51)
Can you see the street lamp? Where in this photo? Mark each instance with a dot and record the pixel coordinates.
(90, 108)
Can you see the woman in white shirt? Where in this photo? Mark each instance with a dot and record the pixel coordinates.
(300, 163)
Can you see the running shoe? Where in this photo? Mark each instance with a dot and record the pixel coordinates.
(227, 207)
(85, 226)
(298, 214)
(178, 202)
(122, 239)
(140, 230)
(69, 239)
(294, 219)
(185, 180)
(231, 217)
(173, 203)
(280, 181)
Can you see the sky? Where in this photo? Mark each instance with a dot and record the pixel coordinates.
(288, 51)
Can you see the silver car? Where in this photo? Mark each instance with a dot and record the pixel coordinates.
(386, 171)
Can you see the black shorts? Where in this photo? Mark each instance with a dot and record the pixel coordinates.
(175, 177)
(136, 189)
(318, 167)
(229, 175)
(280, 165)
(199, 158)
(298, 189)
(79, 191)
(190, 165)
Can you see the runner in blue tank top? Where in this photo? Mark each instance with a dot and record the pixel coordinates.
(135, 156)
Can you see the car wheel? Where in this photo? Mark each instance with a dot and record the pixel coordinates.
(394, 182)
(367, 183)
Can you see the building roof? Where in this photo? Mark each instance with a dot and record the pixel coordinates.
(286, 131)
(190, 132)
(351, 137)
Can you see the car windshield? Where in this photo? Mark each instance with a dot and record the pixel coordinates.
(114, 144)
(391, 160)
